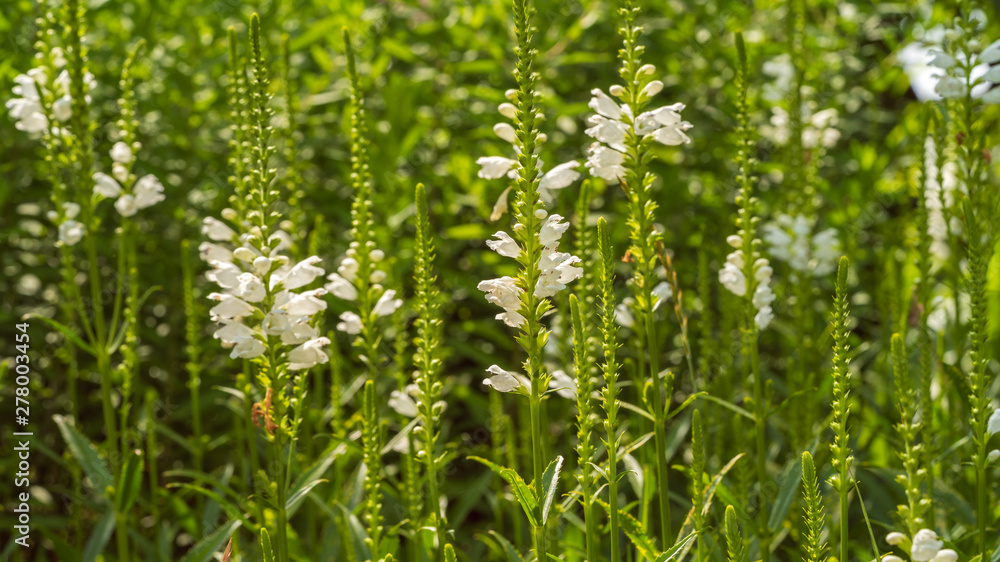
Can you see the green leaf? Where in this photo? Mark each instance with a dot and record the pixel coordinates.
(633, 529)
(64, 330)
(675, 552)
(358, 535)
(789, 489)
(99, 537)
(295, 499)
(86, 454)
(729, 406)
(129, 483)
(208, 546)
(524, 494)
(232, 510)
(265, 545)
(503, 546)
(550, 481)
(687, 402)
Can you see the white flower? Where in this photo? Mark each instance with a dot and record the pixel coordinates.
(502, 292)
(231, 330)
(560, 176)
(70, 232)
(217, 230)
(993, 427)
(732, 278)
(661, 293)
(62, 108)
(121, 153)
(925, 546)
(892, 558)
(387, 303)
(494, 167)
(895, 538)
(552, 230)
(306, 303)
(348, 269)
(506, 132)
(605, 163)
(148, 191)
(403, 404)
(563, 384)
(511, 317)
(623, 313)
(763, 296)
(225, 274)
(993, 455)
(763, 317)
(247, 347)
(501, 380)
(106, 186)
(350, 323)
(276, 322)
(119, 172)
(504, 245)
(604, 105)
(609, 131)
(302, 273)
(229, 307)
(308, 354)
(126, 205)
(341, 288)
(250, 288)
(949, 87)
(945, 555)
(209, 252)
(555, 270)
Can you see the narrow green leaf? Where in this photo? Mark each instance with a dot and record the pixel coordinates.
(550, 481)
(729, 406)
(233, 511)
(675, 552)
(789, 489)
(524, 494)
(86, 454)
(265, 545)
(208, 546)
(358, 535)
(129, 484)
(296, 499)
(64, 330)
(633, 530)
(504, 547)
(99, 537)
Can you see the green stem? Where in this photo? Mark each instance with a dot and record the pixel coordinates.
(538, 465)
(760, 433)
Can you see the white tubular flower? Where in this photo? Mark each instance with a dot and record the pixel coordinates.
(348, 269)
(608, 131)
(662, 293)
(891, 558)
(506, 132)
(494, 167)
(895, 538)
(552, 230)
(623, 313)
(945, 555)
(231, 330)
(217, 230)
(603, 105)
(925, 546)
(764, 317)
(306, 303)
(302, 273)
(250, 288)
(605, 163)
(504, 245)
(563, 384)
(229, 307)
(511, 317)
(308, 354)
(148, 191)
(276, 322)
(70, 232)
(993, 427)
(403, 404)
(121, 153)
(502, 292)
(501, 380)
(247, 347)
(225, 274)
(341, 288)
(106, 186)
(126, 205)
(732, 278)
(993, 456)
(387, 303)
(350, 323)
(209, 252)
(559, 177)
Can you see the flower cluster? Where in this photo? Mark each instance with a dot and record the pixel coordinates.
(258, 306)
(661, 293)
(71, 231)
(925, 547)
(42, 98)
(734, 279)
(790, 239)
(345, 283)
(136, 193)
(556, 269)
(612, 122)
(496, 167)
(970, 66)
